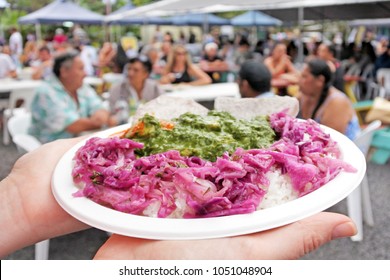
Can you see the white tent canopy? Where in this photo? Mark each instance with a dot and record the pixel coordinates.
(286, 9)
(341, 10)
(370, 22)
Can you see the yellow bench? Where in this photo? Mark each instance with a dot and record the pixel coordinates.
(359, 106)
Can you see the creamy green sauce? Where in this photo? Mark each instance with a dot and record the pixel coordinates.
(204, 136)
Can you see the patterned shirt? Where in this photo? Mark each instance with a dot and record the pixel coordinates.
(53, 109)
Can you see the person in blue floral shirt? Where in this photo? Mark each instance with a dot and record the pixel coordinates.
(64, 106)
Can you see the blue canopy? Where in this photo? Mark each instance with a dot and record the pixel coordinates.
(198, 19)
(137, 19)
(60, 11)
(254, 18)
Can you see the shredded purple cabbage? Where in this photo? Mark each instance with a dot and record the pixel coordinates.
(111, 175)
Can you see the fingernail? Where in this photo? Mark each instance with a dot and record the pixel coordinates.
(347, 229)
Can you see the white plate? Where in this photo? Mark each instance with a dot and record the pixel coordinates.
(114, 221)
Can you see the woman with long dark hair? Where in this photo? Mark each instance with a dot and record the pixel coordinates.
(322, 102)
(180, 69)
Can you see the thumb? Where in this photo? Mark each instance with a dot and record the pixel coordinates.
(302, 237)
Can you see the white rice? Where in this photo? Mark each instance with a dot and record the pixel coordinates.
(181, 205)
(280, 190)
(152, 209)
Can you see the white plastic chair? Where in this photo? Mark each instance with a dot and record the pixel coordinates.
(18, 129)
(27, 96)
(383, 78)
(18, 126)
(359, 202)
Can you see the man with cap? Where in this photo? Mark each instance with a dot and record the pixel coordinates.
(254, 80)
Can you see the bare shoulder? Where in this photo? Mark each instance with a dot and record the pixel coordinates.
(339, 98)
(339, 104)
(194, 70)
(193, 67)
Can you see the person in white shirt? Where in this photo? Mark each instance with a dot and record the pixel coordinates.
(16, 44)
(89, 56)
(7, 66)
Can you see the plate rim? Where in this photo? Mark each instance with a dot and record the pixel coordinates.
(114, 221)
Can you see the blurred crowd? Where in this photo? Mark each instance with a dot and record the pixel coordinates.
(145, 67)
(215, 54)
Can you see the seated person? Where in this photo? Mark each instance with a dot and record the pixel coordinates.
(136, 88)
(280, 65)
(63, 105)
(165, 49)
(7, 65)
(227, 52)
(383, 61)
(243, 52)
(59, 37)
(153, 55)
(212, 63)
(29, 53)
(322, 102)
(89, 56)
(106, 58)
(181, 70)
(254, 80)
(327, 52)
(42, 68)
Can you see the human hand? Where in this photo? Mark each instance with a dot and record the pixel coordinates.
(285, 59)
(47, 63)
(29, 211)
(100, 118)
(288, 242)
(167, 79)
(204, 65)
(171, 77)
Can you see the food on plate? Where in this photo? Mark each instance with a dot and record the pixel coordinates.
(169, 183)
(207, 136)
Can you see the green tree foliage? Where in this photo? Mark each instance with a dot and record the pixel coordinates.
(142, 2)
(22, 7)
(27, 6)
(19, 8)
